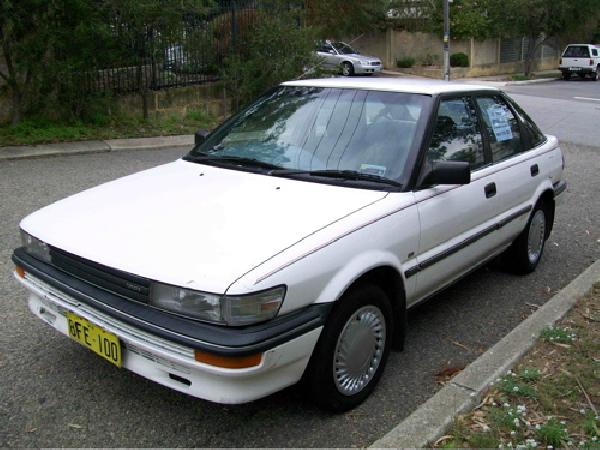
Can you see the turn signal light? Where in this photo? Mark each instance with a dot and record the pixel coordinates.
(228, 362)
(20, 271)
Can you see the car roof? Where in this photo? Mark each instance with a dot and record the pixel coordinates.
(408, 85)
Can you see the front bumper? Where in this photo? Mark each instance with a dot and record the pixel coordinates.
(359, 69)
(171, 362)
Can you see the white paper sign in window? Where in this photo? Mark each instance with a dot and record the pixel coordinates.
(499, 121)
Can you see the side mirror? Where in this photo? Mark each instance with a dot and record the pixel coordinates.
(447, 172)
(200, 137)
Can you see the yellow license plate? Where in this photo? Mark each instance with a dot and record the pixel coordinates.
(95, 338)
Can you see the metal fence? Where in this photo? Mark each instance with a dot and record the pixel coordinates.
(155, 61)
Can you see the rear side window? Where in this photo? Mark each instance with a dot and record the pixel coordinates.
(502, 127)
(594, 52)
(532, 135)
(577, 51)
(457, 136)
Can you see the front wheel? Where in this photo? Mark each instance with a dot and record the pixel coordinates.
(526, 251)
(347, 69)
(352, 350)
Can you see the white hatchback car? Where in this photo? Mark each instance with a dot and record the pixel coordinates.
(290, 241)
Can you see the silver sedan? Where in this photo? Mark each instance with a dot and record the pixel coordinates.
(349, 60)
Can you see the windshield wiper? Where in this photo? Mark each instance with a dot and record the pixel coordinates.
(231, 160)
(351, 175)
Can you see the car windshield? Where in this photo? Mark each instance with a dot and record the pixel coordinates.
(344, 49)
(577, 51)
(321, 129)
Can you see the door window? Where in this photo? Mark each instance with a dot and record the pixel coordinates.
(502, 128)
(533, 136)
(457, 136)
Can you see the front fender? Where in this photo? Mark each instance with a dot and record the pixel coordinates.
(354, 269)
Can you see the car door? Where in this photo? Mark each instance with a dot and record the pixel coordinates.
(515, 175)
(329, 55)
(455, 220)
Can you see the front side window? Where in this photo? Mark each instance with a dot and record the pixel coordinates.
(502, 127)
(316, 129)
(533, 135)
(344, 49)
(457, 136)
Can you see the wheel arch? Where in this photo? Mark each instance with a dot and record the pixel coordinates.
(547, 198)
(390, 280)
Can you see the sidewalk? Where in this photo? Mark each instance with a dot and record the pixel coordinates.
(491, 80)
(112, 145)
(430, 421)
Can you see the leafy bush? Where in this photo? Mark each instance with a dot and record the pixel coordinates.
(277, 50)
(459, 60)
(405, 63)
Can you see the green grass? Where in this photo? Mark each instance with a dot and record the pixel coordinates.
(548, 399)
(44, 131)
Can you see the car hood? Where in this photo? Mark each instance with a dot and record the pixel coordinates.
(364, 58)
(192, 225)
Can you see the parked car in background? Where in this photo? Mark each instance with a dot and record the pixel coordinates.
(340, 55)
(581, 60)
(291, 241)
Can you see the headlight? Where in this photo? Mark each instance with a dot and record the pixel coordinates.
(221, 309)
(35, 247)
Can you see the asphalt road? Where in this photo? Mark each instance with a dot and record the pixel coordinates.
(567, 109)
(54, 392)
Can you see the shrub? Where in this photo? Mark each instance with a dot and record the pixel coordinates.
(405, 63)
(277, 50)
(459, 60)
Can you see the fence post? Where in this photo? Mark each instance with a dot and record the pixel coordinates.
(233, 24)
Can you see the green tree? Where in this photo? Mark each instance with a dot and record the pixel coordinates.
(343, 18)
(276, 49)
(541, 21)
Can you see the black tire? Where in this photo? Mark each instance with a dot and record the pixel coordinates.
(566, 76)
(347, 69)
(358, 306)
(594, 76)
(523, 256)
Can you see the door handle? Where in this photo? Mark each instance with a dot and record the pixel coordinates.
(490, 190)
(534, 170)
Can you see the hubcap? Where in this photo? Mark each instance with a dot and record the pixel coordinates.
(359, 350)
(346, 69)
(535, 242)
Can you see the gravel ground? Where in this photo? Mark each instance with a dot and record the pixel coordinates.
(54, 392)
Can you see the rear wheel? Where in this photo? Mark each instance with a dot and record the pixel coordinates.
(526, 251)
(596, 74)
(566, 76)
(350, 356)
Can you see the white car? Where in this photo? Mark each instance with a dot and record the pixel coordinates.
(336, 55)
(580, 60)
(290, 242)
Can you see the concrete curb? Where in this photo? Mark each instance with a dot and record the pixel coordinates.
(431, 419)
(111, 145)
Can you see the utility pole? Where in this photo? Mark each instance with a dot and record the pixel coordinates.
(447, 40)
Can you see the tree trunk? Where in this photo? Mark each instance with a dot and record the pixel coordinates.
(17, 104)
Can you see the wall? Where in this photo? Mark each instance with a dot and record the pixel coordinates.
(427, 48)
(209, 97)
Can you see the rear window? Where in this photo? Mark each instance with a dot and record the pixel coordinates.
(577, 51)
